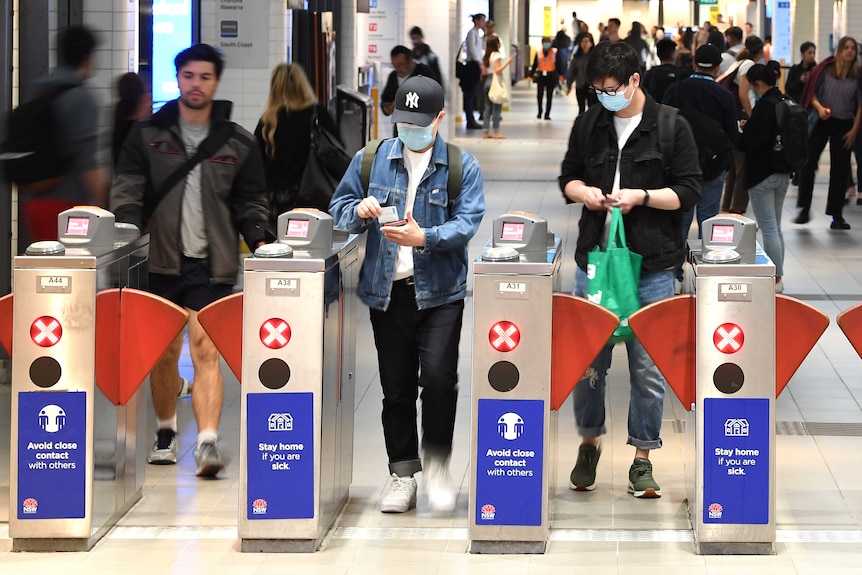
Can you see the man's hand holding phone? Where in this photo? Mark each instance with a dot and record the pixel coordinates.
(404, 234)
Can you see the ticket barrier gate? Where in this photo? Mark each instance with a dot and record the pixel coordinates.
(81, 341)
(519, 324)
(727, 353)
(295, 357)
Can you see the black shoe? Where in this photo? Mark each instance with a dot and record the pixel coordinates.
(839, 224)
(547, 117)
(474, 126)
(859, 201)
(802, 218)
(539, 116)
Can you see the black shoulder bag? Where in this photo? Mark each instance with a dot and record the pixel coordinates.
(327, 161)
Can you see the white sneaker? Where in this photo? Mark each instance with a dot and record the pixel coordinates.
(401, 497)
(779, 286)
(441, 493)
(185, 389)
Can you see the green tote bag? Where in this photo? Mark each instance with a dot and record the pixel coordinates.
(613, 276)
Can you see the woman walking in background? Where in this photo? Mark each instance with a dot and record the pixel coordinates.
(284, 134)
(578, 72)
(495, 67)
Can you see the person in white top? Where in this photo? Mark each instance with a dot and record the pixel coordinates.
(474, 47)
(495, 65)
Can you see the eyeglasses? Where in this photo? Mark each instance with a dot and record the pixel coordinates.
(611, 92)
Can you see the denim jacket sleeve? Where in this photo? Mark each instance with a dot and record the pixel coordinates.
(465, 214)
(348, 194)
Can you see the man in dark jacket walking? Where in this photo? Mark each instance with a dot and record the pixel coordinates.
(653, 177)
(193, 226)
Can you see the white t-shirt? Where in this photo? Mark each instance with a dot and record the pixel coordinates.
(743, 69)
(417, 163)
(624, 127)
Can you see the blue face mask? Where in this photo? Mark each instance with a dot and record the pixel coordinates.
(616, 102)
(546, 45)
(415, 137)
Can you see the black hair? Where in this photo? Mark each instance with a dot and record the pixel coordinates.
(615, 21)
(716, 38)
(416, 31)
(685, 60)
(583, 35)
(477, 16)
(615, 60)
(200, 53)
(665, 48)
(74, 45)
(401, 51)
(753, 47)
(768, 73)
(734, 35)
(806, 46)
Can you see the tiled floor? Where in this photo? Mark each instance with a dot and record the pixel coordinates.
(184, 525)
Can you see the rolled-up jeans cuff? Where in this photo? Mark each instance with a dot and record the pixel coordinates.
(405, 468)
(592, 432)
(648, 444)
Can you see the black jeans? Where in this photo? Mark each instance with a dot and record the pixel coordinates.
(417, 348)
(831, 131)
(470, 87)
(545, 85)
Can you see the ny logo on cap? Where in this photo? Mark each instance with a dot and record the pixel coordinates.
(412, 100)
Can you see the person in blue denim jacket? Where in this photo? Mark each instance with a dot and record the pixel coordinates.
(414, 280)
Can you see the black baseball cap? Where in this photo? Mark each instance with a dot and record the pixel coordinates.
(707, 56)
(418, 101)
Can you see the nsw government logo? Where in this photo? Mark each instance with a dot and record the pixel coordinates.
(715, 511)
(31, 505)
(258, 507)
(489, 512)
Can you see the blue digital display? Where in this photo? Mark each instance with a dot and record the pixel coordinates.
(736, 460)
(172, 32)
(52, 450)
(509, 462)
(280, 455)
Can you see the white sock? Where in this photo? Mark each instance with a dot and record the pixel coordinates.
(170, 423)
(207, 435)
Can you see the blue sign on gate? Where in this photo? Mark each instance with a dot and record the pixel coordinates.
(280, 455)
(52, 450)
(736, 436)
(509, 462)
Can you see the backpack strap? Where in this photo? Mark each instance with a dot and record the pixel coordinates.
(666, 134)
(456, 168)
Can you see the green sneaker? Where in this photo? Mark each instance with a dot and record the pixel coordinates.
(641, 483)
(583, 476)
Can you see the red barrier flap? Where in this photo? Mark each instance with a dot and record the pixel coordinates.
(798, 326)
(6, 323)
(580, 329)
(222, 320)
(850, 322)
(133, 330)
(666, 330)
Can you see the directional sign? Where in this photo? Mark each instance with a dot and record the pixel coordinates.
(728, 338)
(46, 331)
(275, 333)
(504, 336)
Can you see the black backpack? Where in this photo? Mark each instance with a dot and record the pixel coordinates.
(34, 154)
(790, 151)
(713, 143)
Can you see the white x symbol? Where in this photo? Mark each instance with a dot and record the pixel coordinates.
(275, 333)
(46, 331)
(412, 100)
(505, 336)
(728, 338)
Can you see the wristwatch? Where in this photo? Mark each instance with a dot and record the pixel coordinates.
(646, 198)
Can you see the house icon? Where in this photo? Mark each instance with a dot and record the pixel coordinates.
(736, 428)
(280, 422)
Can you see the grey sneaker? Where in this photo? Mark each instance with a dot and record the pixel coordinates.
(165, 448)
(401, 497)
(208, 460)
(641, 483)
(583, 476)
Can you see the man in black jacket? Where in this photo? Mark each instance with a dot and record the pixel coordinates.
(193, 226)
(405, 67)
(631, 154)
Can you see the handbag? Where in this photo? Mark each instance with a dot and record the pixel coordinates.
(460, 65)
(497, 93)
(325, 166)
(613, 276)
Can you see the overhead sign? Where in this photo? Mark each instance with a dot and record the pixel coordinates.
(280, 455)
(504, 336)
(46, 331)
(52, 447)
(728, 338)
(275, 333)
(510, 462)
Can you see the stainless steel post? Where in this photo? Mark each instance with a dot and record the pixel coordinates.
(513, 446)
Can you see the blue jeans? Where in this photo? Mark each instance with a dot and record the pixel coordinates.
(767, 199)
(646, 399)
(492, 110)
(707, 207)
